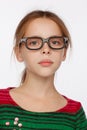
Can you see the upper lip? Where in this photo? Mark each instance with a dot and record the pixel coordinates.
(46, 61)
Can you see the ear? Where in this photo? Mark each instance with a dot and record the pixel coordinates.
(64, 54)
(18, 54)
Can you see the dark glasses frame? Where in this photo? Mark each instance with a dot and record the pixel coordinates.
(65, 41)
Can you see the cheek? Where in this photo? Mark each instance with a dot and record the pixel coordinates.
(58, 58)
(29, 59)
(60, 55)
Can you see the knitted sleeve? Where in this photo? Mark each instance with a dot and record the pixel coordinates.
(81, 120)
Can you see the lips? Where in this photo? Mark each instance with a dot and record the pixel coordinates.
(46, 63)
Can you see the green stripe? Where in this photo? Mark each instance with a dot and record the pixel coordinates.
(41, 121)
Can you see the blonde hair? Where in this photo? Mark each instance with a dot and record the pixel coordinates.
(21, 29)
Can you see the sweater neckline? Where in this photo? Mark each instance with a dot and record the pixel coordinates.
(63, 109)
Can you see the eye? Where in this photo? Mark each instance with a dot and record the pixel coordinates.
(33, 43)
(55, 42)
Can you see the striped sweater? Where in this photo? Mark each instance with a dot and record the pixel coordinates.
(13, 117)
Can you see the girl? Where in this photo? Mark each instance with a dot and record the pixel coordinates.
(41, 42)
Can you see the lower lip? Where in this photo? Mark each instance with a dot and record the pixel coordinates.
(46, 64)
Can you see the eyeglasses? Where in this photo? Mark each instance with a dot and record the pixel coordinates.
(36, 43)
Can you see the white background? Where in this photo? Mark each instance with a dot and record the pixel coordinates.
(71, 78)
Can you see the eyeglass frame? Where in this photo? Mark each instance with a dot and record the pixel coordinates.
(44, 40)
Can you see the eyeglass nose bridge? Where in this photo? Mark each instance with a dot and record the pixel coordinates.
(45, 40)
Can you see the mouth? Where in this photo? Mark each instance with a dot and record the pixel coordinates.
(46, 63)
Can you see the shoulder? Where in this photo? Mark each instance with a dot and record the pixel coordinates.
(3, 91)
(72, 106)
(77, 110)
(4, 96)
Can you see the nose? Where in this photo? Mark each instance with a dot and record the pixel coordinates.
(46, 49)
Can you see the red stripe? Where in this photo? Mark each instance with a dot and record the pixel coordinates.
(71, 107)
(5, 97)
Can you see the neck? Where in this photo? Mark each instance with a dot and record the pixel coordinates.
(37, 85)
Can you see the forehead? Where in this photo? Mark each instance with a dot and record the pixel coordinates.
(42, 27)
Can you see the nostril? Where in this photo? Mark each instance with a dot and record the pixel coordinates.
(43, 52)
(46, 52)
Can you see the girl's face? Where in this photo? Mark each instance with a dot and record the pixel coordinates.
(45, 61)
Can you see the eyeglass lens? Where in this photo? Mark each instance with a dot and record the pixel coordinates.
(35, 43)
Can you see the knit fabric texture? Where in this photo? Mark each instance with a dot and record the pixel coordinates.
(13, 117)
